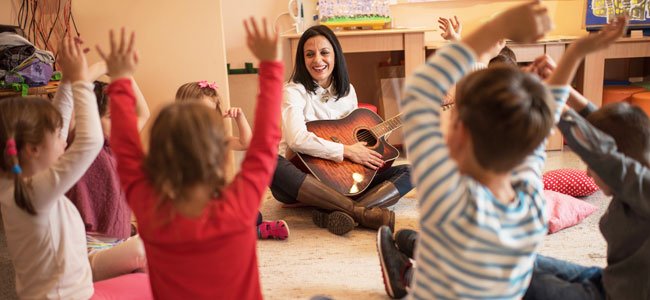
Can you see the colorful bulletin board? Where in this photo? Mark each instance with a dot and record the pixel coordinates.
(599, 12)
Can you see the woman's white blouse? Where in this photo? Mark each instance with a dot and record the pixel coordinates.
(300, 106)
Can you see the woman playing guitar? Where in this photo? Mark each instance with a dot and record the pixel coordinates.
(319, 89)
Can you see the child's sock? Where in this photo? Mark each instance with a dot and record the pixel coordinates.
(278, 230)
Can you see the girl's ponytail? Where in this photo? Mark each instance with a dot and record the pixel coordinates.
(24, 121)
(22, 195)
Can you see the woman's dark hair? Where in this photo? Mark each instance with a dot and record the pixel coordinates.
(340, 78)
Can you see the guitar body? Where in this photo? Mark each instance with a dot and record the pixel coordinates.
(347, 177)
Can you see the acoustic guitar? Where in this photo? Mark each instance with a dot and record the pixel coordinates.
(347, 177)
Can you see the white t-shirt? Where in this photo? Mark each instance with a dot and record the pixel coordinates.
(300, 106)
(48, 250)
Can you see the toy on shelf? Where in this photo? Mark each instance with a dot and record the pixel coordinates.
(354, 13)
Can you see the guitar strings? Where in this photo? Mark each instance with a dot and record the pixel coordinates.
(370, 134)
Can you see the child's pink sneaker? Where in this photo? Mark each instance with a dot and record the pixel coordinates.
(278, 230)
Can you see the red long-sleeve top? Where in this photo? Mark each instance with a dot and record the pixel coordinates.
(212, 256)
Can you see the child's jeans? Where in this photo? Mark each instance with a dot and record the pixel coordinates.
(557, 279)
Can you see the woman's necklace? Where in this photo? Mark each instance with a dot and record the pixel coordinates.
(325, 96)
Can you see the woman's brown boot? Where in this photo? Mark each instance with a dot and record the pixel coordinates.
(337, 212)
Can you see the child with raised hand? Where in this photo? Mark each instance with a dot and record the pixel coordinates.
(482, 214)
(45, 235)
(451, 31)
(451, 28)
(98, 195)
(206, 93)
(196, 228)
(614, 142)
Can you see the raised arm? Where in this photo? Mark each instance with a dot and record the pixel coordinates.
(436, 175)
(533, 165)
(242, 142)
(54, 182)
(245, 192)
(125, 140)
(141, 107)
(99, 69)
(624, 175)
(580, 48)
(451, 28)
(64, 103)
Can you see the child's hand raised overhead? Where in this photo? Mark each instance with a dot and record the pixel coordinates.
(524, 23)
(451, 28)
(72, 60)
(123, 58)
(264, 46)
(585, 45)
(603, 38)
(233, 112)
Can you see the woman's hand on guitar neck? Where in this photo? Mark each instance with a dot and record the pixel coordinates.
(358, 153)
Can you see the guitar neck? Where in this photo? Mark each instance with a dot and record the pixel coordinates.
(396, 122)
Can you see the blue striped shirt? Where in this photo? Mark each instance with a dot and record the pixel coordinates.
(472, 246)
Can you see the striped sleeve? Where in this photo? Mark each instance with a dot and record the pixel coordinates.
(436, 175)
(533, 165)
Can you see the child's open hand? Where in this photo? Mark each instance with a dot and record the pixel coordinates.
(123, 59)
(264, 46)
(524, 23)
(451, 28)
(602, 39)
(72, 60)
(233, 112)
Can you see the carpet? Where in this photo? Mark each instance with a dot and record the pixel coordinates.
(315, 262)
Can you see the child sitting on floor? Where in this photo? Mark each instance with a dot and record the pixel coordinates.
(206, 93)
(196, 228)
(99, 197)
(614, 142)
(45, 234)
(483, 216)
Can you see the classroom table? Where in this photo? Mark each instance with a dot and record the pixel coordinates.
(594, 67)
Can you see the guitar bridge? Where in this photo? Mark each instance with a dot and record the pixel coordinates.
(335, 139)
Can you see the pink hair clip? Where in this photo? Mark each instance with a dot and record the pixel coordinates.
(11, 147)
(206, 84)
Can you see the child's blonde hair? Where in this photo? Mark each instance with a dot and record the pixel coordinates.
(188, 148)
(24, 121)
(192, 91)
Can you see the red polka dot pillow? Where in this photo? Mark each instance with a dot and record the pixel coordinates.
(571, 182)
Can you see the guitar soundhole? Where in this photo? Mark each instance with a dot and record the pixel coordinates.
(365, 135)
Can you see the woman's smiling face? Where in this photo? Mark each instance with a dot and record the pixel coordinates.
(319, 59)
